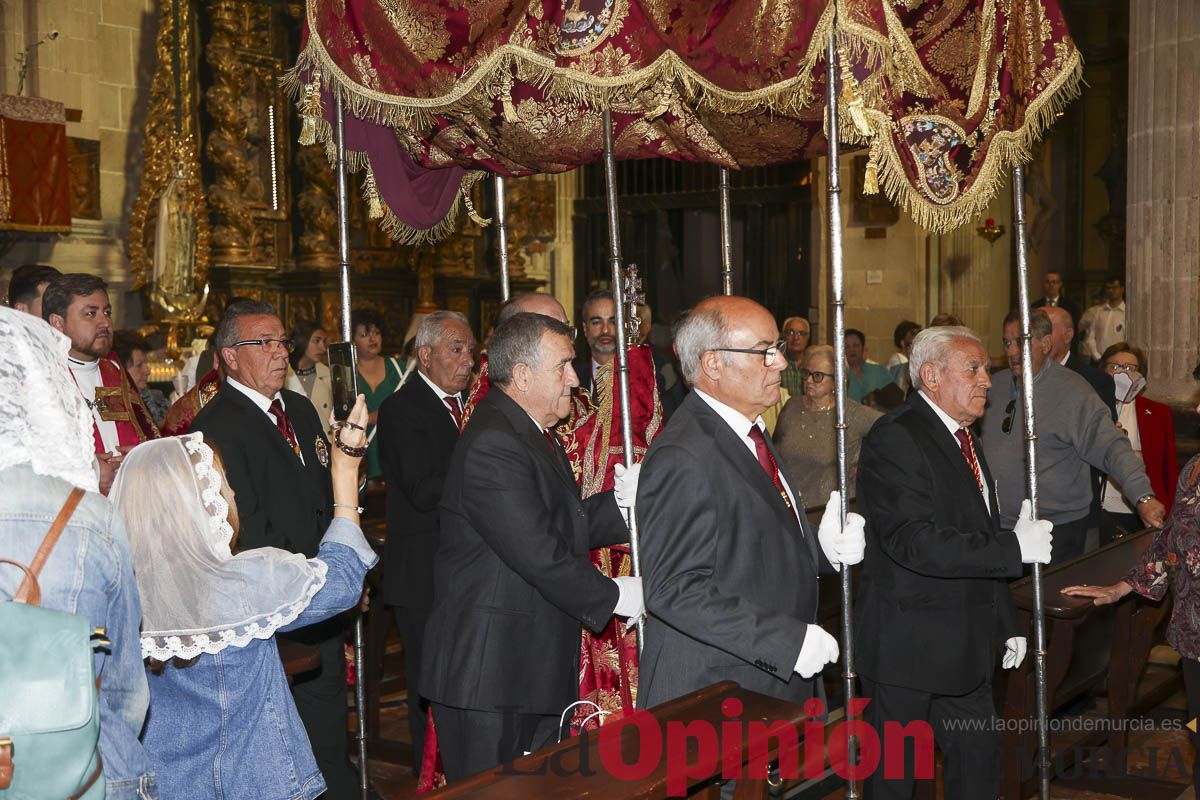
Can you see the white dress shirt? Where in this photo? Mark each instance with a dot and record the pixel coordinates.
(264, 403)
(88, 379)
(1105, 326)
(740, 424)
(442, 395)
(953, 427)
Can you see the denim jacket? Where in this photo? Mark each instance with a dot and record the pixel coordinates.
(226, 727)
(89, 572)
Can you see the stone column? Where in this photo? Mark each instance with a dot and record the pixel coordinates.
(1163, 202)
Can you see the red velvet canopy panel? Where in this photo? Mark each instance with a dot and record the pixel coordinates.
(35, 181)
(945, 95)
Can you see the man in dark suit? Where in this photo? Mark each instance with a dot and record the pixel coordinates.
(934, 610)
(512, 577)
(418, 428)
(277, 462)
(1052, 297)
(728, 558)
(598, 318)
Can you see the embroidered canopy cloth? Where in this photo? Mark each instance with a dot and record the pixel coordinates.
(945, 95)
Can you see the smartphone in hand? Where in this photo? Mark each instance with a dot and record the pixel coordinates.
(343, 372)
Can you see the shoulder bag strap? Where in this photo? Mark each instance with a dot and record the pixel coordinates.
(29, 584)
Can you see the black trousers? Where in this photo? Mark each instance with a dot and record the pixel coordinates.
(965, 729)
(472, 741)
(320, 698)
(1068, 541)
(1191, 687)
(411, 624)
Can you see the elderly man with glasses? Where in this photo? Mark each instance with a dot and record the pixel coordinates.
(1075, 430)
(277, 462)
(729, 560)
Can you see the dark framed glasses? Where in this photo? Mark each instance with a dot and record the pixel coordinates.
(813, 375)
(768, 353)
(1010, 411)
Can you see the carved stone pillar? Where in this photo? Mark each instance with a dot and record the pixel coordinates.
(1163, 202)
(233, 230)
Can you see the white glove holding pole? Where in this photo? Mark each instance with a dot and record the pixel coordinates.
(625, 483)
(630, 602)
(1033, 536)
(819, 649)
(1014, 652)
(847, 545)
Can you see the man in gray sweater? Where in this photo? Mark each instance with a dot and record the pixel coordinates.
(1074, 430)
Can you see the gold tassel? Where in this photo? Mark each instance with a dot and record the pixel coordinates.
(852, 96)
(871, 177)
(482, 222)
(374, 201)
(310, 110)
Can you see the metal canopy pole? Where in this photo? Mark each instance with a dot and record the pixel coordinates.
(837, 277)
(502, 236)
(360, 689)
(621, 364)
(1031, 479)
(726, 233)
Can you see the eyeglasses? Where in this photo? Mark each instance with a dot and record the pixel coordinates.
(813, 375)
(1010, 410)
(270, 345)
(1114, 367)
(792, 333)
(768, 354)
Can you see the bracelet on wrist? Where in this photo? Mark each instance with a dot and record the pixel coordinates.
(355, 509)
(1144, 499)
(353, 452)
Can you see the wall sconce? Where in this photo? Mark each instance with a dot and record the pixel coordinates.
(990, 230)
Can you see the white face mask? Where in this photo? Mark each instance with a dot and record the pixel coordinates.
(1128, 385)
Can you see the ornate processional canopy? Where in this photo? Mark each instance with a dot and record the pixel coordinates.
(945, 95)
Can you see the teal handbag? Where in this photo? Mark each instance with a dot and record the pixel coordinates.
(49, 702)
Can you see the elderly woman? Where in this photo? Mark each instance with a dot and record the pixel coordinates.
(1172, 561)
(46, 450)
(1151, 432)
(222, 723)
(805, 432)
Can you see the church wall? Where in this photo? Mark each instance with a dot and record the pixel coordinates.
(101, 64)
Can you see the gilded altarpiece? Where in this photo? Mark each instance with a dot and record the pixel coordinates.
(272, 203)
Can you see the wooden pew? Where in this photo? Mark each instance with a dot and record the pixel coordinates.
(379, 624)
(1089, 649)
(297, 657)
(554, 771)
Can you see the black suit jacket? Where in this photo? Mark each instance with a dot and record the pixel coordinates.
(416, 440)
(280, 501)
(512, 577)
(583, 371)
(730, 576)
(1063, 303)
(934, 608)
(1100, 380)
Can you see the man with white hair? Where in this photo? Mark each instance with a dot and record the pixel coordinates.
(728, 558)
(418, 428)
(934, 611)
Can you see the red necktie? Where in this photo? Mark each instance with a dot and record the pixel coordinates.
(451, 402)
(968, 450)
(767, 462)
(284, 425)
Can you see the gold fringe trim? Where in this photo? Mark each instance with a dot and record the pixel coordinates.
(1005, 150)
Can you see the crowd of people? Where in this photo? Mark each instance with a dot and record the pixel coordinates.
(215, 524)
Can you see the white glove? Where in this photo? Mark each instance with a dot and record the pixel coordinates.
(630, 602)
(819, 649)
(625, 483)
(845, 546)
(1033, 536)
(1014, 652)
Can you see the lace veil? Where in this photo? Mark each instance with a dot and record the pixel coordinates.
(44, 420)
(197, 596)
